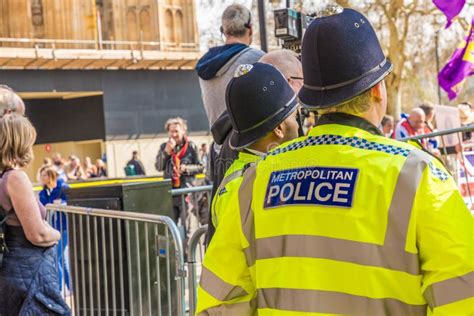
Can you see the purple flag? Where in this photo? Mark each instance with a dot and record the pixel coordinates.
(450, 8)
(459, 67)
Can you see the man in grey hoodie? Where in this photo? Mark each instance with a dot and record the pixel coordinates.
(216, 68)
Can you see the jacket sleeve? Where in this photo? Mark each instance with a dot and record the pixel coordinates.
(162, 159)
(63, 195)
(227, 283)
(196, 166)
(445, 241)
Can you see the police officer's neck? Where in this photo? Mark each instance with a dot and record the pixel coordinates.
(372, 116)
(265, 144)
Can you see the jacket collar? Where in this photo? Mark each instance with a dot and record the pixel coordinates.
(349, 120)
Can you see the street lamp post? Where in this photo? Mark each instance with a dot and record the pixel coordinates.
(262, 25)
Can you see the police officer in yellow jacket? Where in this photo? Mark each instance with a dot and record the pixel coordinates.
(345, 221)
(262, 107)
(288, 64)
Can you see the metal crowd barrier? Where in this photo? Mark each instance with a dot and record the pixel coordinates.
(119, 263)
(198, 200)
(194, 243)
(453, 162)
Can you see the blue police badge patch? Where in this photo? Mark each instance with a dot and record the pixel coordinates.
(311, 186)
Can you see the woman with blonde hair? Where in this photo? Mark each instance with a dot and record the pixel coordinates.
(28, 278)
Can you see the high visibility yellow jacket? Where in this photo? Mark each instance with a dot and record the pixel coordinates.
(343, 221)
(226, 194)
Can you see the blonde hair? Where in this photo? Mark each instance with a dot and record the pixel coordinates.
(51, 173)
(17, 137)
(176, 120)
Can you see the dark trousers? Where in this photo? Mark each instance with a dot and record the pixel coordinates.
(180, 213)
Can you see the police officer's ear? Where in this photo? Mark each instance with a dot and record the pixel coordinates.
(279, 131)
(378, 91)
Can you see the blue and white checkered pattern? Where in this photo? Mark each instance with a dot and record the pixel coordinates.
(355, 142)
(438, 173)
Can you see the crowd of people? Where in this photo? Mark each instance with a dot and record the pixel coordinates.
(72, 169)
(421, 121)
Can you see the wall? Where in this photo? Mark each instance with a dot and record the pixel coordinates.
(59, 120)
(136, 103)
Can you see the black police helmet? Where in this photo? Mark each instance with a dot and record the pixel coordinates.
(258, 98)
(341, 58)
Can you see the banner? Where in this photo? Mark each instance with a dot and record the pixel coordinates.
(450, 8)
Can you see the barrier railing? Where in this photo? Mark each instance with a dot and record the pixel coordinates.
(119, 263)
(463, 129)
(455, 163)
(194, 243)
(197, 200)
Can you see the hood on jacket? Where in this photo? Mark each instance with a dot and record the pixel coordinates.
(221, 128)
(208, 66)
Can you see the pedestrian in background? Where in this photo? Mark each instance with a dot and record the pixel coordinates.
(387, 125)
(135, 165)
(217, 66)
(47, 162)
(178, 158)
(54, 192)
(28, 279)
(101, 168)
(89, 169)
(204, 154)
(60, 166)
(10, 102)
(74, 169)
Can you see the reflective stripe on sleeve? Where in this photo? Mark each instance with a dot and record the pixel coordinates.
(450, 290)
(218, 288)
(229, 178)
(246, 213)
(403, 198)
(316, 301)
(237, 309)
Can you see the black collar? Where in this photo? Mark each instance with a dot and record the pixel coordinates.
(349, 120)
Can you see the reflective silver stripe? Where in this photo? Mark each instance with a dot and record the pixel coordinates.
(218, 288)
(246, 213)
(236, 309)
(403, 197)
(224, 182)
(391, 255)
(316, 301)
(450, 290)
(337, 249)
(234, 175)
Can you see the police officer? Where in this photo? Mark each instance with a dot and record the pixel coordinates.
(289, 65)
(262, 107)
(346, 221)
(262, 90)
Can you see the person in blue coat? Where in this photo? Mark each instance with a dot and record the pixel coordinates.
(54, 193)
